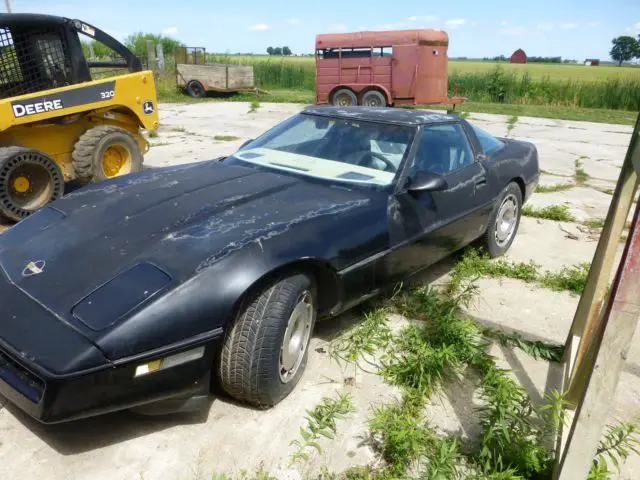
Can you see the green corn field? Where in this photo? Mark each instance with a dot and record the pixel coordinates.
(534, 84)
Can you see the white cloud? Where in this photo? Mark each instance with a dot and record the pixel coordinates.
(455, 23)
(593, 24)
(293, 21)
(170, 31)
(504, 23)
(258, 27)
(424, 18)
(545, 26)
(513, 31)
(568, 26)
(634, 28)
(337, 28)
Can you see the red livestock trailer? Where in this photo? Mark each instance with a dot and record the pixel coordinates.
(383, 68)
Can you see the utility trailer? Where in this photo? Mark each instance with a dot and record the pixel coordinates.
(197, 77)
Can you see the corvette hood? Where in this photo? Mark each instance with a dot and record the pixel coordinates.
(180, 219)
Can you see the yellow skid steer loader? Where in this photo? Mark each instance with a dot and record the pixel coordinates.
(57, 123)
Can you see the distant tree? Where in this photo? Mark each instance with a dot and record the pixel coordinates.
(286, 51)
(137, 43)
(100, 50)
(270, 50)
(277, 51)
(624, 49)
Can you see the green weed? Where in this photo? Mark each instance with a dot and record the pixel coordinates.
(560, 187)
(581, 176)
(594, 222)
(360, 343)
(464, 115)
(536, 348)
(225, 138)
(618, 443)
(511, 123)
(559, 213)
(178, 129)
(153, 134)
(255, 105)
(322, 422)
(571, 278)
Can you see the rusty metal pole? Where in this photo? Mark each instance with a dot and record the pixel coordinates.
(610, 346)
(587, 318)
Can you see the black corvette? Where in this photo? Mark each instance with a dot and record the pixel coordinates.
(142, 290)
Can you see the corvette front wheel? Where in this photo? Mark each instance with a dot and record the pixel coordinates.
(265, 350)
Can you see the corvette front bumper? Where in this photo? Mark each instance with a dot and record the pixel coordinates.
(55, 374)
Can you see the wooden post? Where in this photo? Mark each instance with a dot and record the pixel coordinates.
(160, 57)
(610, 347)
(588, 319)
(151, 56)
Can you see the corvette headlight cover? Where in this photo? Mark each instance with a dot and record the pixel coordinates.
(119, 296)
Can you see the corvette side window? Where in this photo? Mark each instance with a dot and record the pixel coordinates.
(442, 149)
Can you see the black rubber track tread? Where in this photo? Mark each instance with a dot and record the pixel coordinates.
(13, 212)
(85, 147)
(253, 341)
(488, 240)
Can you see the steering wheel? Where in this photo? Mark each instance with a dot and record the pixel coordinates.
(389, 166)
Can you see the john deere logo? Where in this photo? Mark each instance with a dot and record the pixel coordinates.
(33, 268)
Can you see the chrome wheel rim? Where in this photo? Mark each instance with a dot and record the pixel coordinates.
(296, 337)
(506, 220)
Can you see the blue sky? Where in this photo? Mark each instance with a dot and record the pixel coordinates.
(568, 28)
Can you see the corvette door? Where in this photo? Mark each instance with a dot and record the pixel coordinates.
(425, 227)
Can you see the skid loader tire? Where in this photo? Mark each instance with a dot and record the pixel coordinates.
(258, 343)
(29, 180)
(94, 151)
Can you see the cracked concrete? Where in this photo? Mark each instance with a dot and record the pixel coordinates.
(228, 436)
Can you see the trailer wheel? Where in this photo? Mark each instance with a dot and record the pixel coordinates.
(373, 98)
(344, 98)
(28, 181)
(195, 89)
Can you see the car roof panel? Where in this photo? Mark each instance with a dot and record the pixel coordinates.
(402, 116)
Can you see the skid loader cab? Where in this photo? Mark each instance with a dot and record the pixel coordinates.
(63, 117)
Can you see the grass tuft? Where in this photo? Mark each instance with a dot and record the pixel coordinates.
(571, 278)
(560, 187)
(226, 138)
(255, 105)
(511, 123)
(594, 222)
(581, 176)
(178, 129)
(559, 213)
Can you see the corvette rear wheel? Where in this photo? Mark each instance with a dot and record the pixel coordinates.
(265, 350)
(504, 222)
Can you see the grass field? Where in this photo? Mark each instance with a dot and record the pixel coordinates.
(537, 71)
(573, 92)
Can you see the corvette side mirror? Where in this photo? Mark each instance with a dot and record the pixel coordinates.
(427, 182)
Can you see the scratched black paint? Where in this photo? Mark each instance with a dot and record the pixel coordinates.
(216, 229)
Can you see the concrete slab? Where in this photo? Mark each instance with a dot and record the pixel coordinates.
(583, 202)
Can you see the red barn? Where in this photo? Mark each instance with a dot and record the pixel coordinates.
(518, 56)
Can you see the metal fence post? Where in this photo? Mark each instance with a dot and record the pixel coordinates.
(151, 56)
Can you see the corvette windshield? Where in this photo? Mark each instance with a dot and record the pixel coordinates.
(332, 148)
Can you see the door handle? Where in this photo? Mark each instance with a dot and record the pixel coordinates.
(481, 181)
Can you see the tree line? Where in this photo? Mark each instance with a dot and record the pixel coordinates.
(286, 51)
(136, 42)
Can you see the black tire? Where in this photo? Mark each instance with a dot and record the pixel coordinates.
(89, 151)
(251, 359)
(373, 98)
(344, 97)
(493, 240)
(29, 180)
(195, 89)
